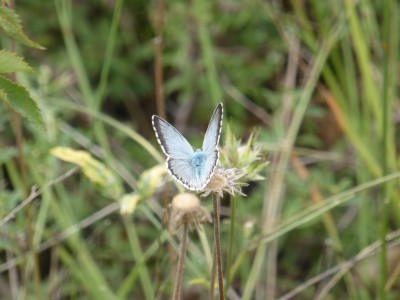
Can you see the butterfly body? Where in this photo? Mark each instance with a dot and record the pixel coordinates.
(197, 162)
(193, 169)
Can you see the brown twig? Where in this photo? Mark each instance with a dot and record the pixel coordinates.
(213, 271)
(181, 264)
(19, 139)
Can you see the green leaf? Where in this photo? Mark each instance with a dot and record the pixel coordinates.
(146, 187)
(18, 98)
(9, 62)
(7, 153)
(150, 179)
(128, 203)
(11, 25)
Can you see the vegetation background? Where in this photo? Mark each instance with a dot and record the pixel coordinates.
(317, 78)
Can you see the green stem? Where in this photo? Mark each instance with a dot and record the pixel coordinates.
(218, 247)
(158, 61)
(230, 246)
(202, 15)
(385, 146)
(134, 242)
(100, 92)
(300, 109)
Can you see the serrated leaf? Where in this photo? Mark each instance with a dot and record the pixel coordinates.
(18, 98)
(9, 62)
(11, 25)
(93, 169)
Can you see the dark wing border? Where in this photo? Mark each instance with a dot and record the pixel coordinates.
(218, 112)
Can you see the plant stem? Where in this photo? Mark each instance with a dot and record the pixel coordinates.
(158, 64)
(202, 11)
(136, 248)
(213, 270)
(218, 247)
(16, 123)
(181, 263)
(230, 247)
(276, 186)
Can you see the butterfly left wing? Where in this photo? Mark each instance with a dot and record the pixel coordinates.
(177, 149)
(213, 133)
(181, 170)
(171, 141)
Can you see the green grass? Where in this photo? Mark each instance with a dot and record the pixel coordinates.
(318, 82)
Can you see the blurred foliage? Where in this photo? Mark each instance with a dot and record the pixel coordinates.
(338, 192)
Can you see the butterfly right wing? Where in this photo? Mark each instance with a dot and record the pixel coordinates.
(171, 141)
(213, 133)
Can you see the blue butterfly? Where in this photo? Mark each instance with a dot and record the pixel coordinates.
(193, 169)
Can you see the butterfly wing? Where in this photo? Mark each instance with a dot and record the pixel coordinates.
(182, 171)
(210, 145)
(213, 133)
(180, 153)
(208, 169)
(177, 149)
(190, 177)
(171, 141)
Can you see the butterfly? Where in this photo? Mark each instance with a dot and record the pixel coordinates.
(192, 168)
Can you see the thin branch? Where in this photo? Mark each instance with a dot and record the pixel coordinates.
(345, 266)
(34, 194)
(213, 271)
(181, 264)
(98, 215)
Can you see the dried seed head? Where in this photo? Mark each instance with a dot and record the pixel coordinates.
(225, 180)
(186, 208)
